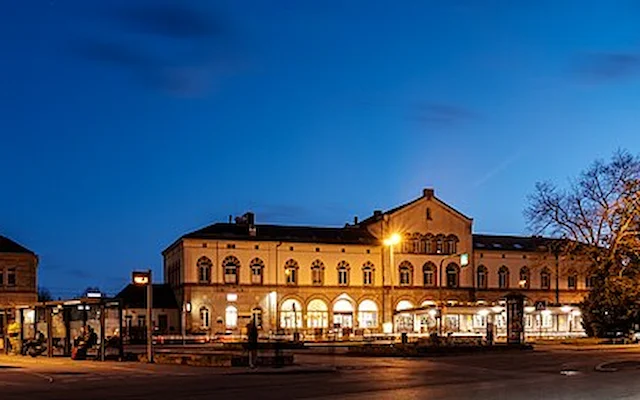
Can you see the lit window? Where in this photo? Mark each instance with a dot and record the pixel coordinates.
(291, 272)
(525, 278)
(231, 317)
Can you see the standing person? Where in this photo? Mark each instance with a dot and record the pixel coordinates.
(252, 338)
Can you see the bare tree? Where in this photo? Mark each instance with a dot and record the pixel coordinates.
(598, 214)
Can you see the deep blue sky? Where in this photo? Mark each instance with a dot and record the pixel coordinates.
(125, 124)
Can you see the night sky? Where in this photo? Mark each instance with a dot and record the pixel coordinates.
(125, 124)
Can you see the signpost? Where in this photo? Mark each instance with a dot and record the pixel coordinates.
(143, 278)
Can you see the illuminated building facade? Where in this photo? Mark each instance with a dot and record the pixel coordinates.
(18, 274)
(354, 280)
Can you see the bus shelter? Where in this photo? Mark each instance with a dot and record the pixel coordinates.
(61, 322)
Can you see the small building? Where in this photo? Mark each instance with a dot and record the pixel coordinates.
(165, 315)
(18, 274)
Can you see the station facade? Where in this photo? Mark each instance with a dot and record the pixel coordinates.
(416, 268)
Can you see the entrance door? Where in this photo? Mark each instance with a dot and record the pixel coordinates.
(343, 320)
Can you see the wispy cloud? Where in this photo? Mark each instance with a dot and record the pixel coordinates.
(497, 169)
(183, 51)
(443, 114)
(606, 67)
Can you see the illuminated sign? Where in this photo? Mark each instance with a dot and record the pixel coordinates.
(141, 278)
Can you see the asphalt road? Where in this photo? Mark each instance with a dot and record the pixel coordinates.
(550, 372)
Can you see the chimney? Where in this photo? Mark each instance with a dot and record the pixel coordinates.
(355, 220)
(428, 193)
(250, 218)
(377, 213)
(230, 218)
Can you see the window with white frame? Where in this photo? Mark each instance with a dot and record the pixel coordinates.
(343, 273)
(317, 273)
(367, 274)
(405, 271)
(257, 271)
(231, 266)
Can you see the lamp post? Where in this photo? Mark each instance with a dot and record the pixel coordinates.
(390, 242)
(144, 279)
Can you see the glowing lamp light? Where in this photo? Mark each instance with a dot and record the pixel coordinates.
(566, 309)
(545, 312)
(529, 309)
(496, 309)
(576, 313)
(387, 327)
(522, 283)
(483, 312)
(433, 312)
(232, 297)
(392, 240)
(141, 278)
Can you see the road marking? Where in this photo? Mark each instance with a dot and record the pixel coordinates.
(46, 377)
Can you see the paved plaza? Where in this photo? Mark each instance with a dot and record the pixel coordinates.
(549, 372)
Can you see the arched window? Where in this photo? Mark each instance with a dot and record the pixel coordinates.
(367, 314)
(451, 244)
(503, 277)
(317, 273)
(453, 275)
(231, 317)
(257, 268)
(572, 279)
(231, 267)
(416, 240)
(482, 275)
(291, 272)
(291, 314)
(367, 274)
(343, 273)
(205, 319)
(317, 314)
(525, 278)
(405, 271)
(439, 244)
(204, 270)
(427, 244)
(545, 279)
(429, 274)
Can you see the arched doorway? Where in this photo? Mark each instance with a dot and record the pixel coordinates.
(343, 314)
(317, 314)
(291, 314)
(404, 321)
(367, 314)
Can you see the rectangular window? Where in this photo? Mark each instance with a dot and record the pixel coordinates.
(572, 282)
(343, 277)
(1, 277)
(479, 321)
(367, 277)
(292, 276)
(588, 282)
(142, 320)
(547, 320)
(428, 278)
(11, 277)
(256, 275)
(316, 276)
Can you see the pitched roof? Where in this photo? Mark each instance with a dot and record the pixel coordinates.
(512, 243)
(134, 296)
(427, 193)
(304, 234)
(9, 246)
